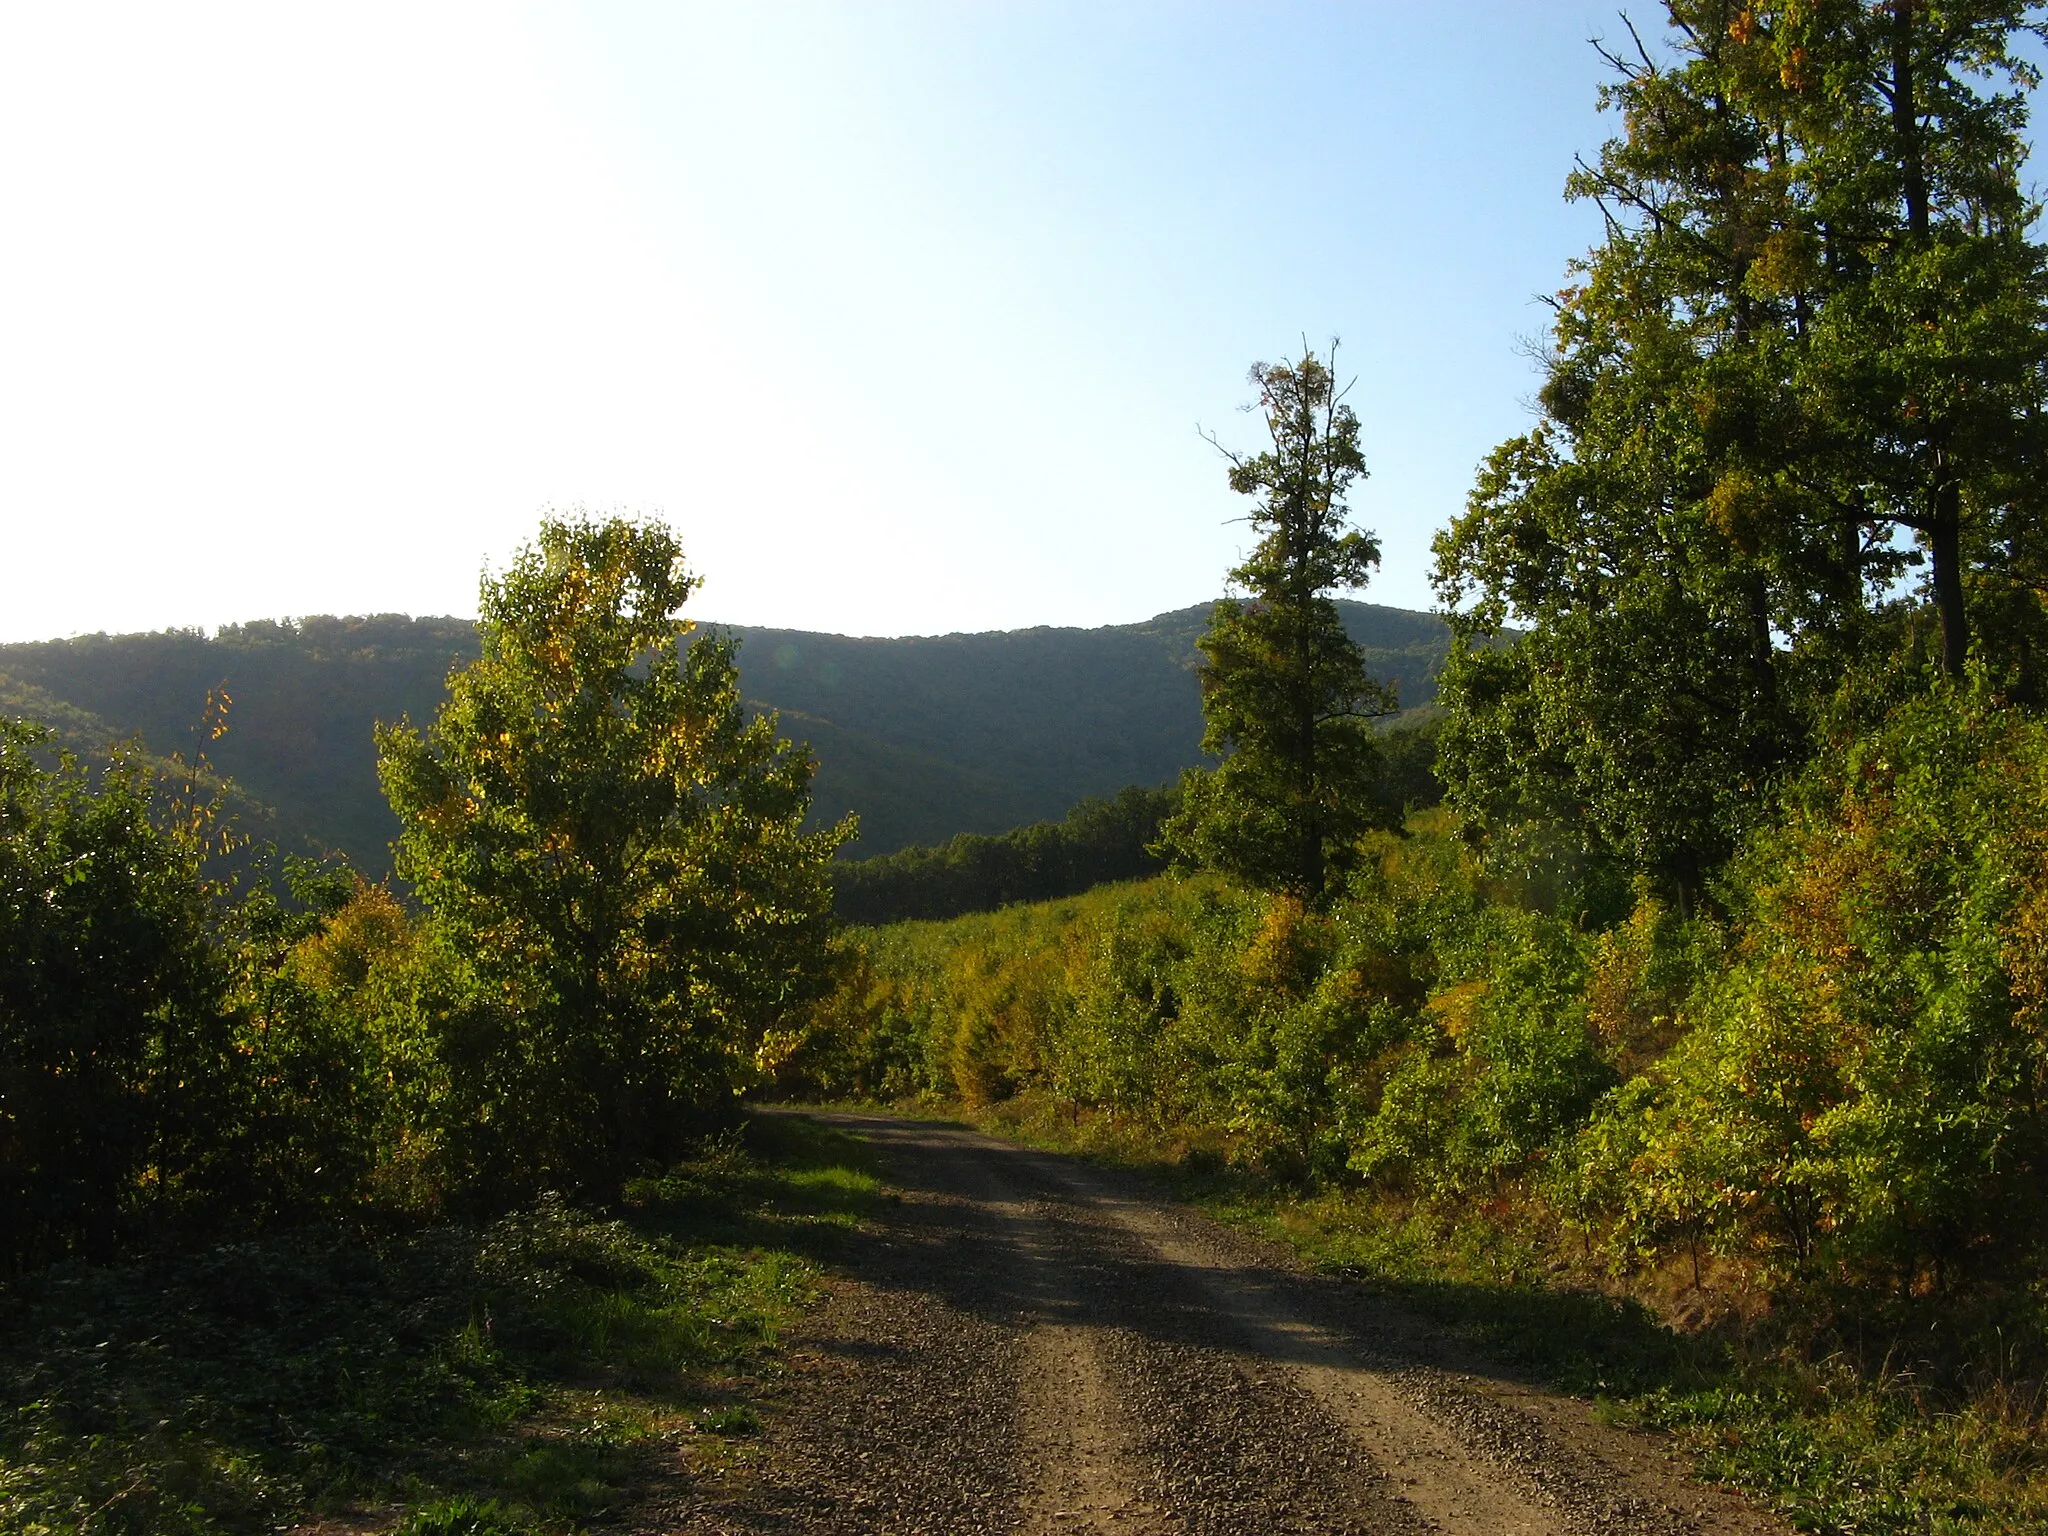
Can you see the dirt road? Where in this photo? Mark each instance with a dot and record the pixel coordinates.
(1031, 1345)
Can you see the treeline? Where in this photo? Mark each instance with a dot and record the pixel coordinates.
(925, 737)
(1100, 842)
(616, 908)
(303, 697)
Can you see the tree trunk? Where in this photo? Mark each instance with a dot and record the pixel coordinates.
(1311, 853)
(1906, 120)
(1945, 511)
(1311, 826)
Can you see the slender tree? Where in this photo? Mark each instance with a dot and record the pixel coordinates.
(1286, 699)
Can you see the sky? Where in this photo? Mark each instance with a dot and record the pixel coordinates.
(908, 317)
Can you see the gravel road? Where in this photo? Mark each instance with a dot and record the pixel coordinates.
(1029, 1344)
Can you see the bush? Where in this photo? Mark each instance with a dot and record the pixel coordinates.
(117, 1048)
(1860, 1094)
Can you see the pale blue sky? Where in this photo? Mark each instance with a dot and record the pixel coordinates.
(904, 315)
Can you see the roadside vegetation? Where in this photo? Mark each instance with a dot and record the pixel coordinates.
(530, 1372)
(1694, 1048)
(1481, 1109)
(311, 1195)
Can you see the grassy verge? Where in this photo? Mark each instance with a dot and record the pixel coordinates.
(523, 1376)
(1838, 1445)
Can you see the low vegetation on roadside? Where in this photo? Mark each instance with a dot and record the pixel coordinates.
(1698, 1045)
(532, 1372)
(1839, 1435)
(1693, 1049)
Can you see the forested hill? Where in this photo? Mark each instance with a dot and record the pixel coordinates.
(925, 737)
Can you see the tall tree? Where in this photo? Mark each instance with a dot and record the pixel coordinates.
(1815, 322)
(618, 849)
(1923, 342)
(1286, 700)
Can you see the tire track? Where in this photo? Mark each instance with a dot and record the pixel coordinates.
(1030, 1345)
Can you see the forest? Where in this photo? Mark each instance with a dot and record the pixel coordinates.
(1099, 842)
(1690, 955)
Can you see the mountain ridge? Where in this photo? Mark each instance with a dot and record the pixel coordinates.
(924, 736)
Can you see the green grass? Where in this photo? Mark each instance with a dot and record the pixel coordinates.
(520, 1376)
(1846, 1441)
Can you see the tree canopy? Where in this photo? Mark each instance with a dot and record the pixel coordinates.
(617, 847)
(1806, 366)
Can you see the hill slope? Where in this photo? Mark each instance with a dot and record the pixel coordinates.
(925, 737)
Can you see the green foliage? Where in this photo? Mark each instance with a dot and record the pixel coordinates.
(1411, 1031)
(462, 1515)
(307, 695)
(1286, 699)
(1100, 841)
(522, 1376)
(1814, 328)
(157, 1068)
(1505, 1063)
(1812, 1123)
(621, 907)
(1837, 1091)
(1858, 1098)
(733, 1421)
(115, 1034)
(616, 849)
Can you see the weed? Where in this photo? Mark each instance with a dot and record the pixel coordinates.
(734, 1420)
(462, 1516)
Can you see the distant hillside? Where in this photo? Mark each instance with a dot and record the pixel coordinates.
(925, 737)
(304, 697)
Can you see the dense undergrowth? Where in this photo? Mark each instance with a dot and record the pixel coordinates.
(613, 904)
(1797, 1140)
(524, 1373)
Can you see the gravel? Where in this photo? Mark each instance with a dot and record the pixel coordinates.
(1027, 1344)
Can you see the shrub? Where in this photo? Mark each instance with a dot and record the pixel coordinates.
(117, 1048)
(1861, 1094)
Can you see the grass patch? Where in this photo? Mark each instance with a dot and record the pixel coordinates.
(1846, 1438)
(520, 1376)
